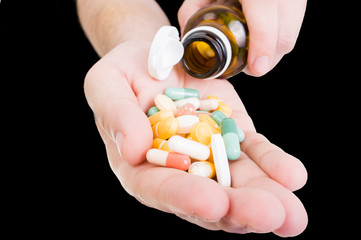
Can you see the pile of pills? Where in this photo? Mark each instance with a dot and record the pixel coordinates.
(193, 134)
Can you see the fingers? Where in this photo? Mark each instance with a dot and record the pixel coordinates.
(285, 216)
(262, 20)
(188, 8)
(273, 28)
(174, 191)
(117, 111)
(280, 166)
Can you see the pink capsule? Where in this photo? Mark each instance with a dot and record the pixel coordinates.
(186, 109)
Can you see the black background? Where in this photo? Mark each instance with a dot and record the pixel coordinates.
(59, 181)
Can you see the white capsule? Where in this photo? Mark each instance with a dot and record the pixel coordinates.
(189, 147)
(185, 123)
(220, 160)
(193, 100)
(208, 104)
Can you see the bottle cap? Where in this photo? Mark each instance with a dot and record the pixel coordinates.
(165, 52)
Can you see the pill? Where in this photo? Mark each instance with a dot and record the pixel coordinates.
(181, 93)
(193, 100)
(164, 103)
(186, 122)
(186, 109)
(241, 135)
(230, 136)
(152, 111)
(214, 97)
(201, 132)
(159, 116)
(198, 112)
(168, 159)
(220, 160)
(205, 50)
(161, 144)
(203, 169)
(224, 108)
(213, 125)
(165, 128)
(189, 147)
(208, 104)
(218, 116)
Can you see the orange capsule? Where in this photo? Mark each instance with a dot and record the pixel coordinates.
(168, 159)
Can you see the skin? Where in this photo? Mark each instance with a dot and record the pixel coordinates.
(120, 90)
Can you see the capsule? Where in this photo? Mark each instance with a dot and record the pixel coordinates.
(181, 93)
(193, 100)
(152, 111)
(188, 147)
(208, 104)
(203, 169)
(168, 159)
(218, 116)
(230, 136)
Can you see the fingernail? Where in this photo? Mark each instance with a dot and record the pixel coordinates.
(261, 65)
(118, 140)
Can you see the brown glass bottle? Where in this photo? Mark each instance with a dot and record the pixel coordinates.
(215, 41)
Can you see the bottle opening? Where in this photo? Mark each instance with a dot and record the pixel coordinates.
(204, 55)
(199, 57)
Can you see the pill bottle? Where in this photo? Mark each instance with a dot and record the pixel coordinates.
(214, 44)
(215, 41)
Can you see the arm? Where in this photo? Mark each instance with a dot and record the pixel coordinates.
(108, 23)
(120, 90)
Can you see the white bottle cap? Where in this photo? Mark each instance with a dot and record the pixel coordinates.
(165, 52)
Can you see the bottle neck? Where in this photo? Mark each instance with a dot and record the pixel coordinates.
(207, 52)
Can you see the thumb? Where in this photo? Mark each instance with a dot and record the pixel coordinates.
(188, 8)
(262, 23)
(119, 118)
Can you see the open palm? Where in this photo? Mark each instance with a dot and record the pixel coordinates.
(120, 90)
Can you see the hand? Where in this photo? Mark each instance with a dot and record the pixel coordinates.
(273, 29)
(120, 90)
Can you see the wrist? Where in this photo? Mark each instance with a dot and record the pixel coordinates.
(109, 23)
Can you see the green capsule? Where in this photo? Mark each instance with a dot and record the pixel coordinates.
(240, 134)
(181, 93)
(218, 116)
(229, 132)
(152, 111)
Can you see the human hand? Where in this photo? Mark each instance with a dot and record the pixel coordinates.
(120, 90)
(273, 29)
